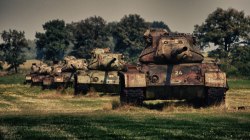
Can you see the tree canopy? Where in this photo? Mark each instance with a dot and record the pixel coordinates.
(89, 34)
(53, 44)
(159, 24)
(12, 50)
(128, 35)
(223, 28)
(229, 30)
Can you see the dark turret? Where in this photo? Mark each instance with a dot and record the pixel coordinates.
(163, 48)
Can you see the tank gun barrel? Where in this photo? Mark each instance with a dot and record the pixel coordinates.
(111, 62)
(177, 51)
(74, 68)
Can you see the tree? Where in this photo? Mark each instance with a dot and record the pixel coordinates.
(128, 35)
(223, 28)
(53, 44)
(89, 34)
(159, 24)
(12, 50)
(241, 59)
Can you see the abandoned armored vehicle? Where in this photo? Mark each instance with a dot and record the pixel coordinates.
(171, 67)
(37, 74)
(102, 73)
(62, 73)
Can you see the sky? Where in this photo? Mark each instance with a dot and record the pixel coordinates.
(179, 15)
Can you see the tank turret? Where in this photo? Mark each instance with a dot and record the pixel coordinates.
(163, 48)
(40, 69)
(45, 69)
(34, 68)
(102, 59)
(70, 63)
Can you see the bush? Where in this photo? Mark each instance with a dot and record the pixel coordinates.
(244, 69)
(229, 69)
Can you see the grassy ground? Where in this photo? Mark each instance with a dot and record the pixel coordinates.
(30, 113)
(13, 79)
(239, 84)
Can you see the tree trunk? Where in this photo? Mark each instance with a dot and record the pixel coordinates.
(15, 67)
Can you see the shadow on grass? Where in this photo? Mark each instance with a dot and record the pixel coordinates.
(110, 126)
(161, 105)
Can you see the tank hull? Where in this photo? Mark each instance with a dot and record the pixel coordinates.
(103, 81)
(175, 81)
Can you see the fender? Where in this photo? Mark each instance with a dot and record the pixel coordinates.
(216, 79)
(134, 79)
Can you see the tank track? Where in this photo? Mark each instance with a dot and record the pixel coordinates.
(132, 96)
(215, 96)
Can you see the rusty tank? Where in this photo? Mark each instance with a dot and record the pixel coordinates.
(37, 74)
(172, 67)
(49, 80)
(101, 73)
(33, 72)
(62, 72)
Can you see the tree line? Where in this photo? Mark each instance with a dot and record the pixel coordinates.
(228, 30)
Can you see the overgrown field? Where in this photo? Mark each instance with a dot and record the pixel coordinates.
(30, 113)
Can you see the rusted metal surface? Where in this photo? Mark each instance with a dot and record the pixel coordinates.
(102, 72)
(59, 79)
(135, 79)
(37, 78)
(28, 77)
(98, 77)
(48, 81)
(215, 79)
(171, 67)
(163, 47)
(106, 61)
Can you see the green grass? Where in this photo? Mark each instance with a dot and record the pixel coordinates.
(31, 113)
(103, 125)
(239, 84)
(13, 79)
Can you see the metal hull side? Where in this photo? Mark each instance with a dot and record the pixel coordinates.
(174, 92)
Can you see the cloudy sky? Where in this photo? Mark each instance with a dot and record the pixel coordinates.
(180, 15)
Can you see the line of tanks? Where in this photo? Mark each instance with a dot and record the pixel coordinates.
(169, 67)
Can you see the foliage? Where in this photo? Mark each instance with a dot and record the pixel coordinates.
(89, 34)
(223, 28)
(236, 62)
(12, 50)
(52, 44)
(229, 30)
(31, 52)
(128, 36)
(241, 59)
(159, 24)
